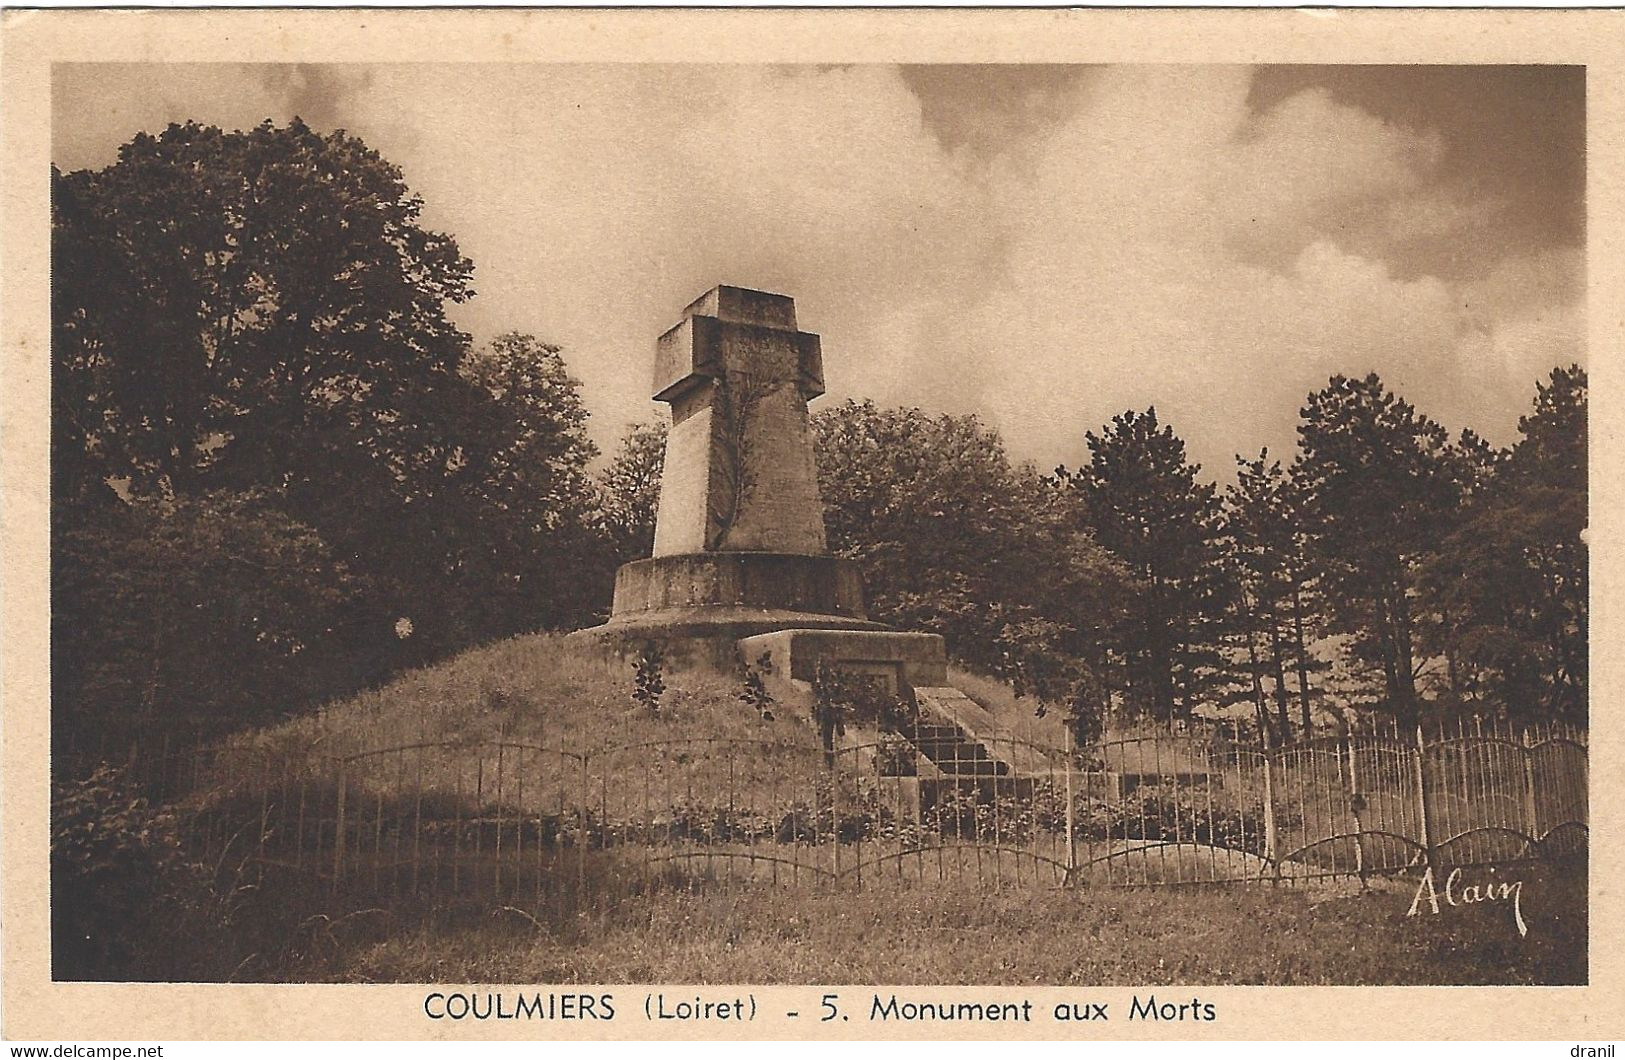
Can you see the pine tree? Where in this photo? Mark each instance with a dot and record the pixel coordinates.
(1145, 506)
(1513, 579)
(1265, 547)
(1378, 498)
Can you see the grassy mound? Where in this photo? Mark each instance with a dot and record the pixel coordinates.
(539, 689)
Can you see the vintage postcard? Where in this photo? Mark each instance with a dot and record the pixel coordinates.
(811, 524)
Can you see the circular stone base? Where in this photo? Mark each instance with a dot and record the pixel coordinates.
(748, 581)
(697, 605)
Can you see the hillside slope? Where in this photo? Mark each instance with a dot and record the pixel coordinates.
(539, 689)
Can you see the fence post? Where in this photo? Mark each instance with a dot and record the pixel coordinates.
(1269, 812)
(1356, 808)
(1531, 818)
(581, 834)
(1422, 797)
(1071, 833)
(834, 820)
(338, 823)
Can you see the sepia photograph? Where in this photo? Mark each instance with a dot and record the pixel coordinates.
(937, 524)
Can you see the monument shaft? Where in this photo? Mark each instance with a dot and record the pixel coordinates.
(739, 539)
(740, 558)
(739, 473)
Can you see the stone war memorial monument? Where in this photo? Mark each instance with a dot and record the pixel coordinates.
(741, 566)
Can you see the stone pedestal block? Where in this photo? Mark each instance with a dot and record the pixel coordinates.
(739, 539)
(907, 660)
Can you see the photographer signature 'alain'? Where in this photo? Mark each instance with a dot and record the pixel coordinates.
(1456, 893)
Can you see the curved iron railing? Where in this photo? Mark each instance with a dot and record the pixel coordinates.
(510, 819)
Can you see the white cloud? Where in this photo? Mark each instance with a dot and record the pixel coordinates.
(1160, 245)
(1134, 274)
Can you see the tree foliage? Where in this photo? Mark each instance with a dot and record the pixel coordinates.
(527, 493)
(1514, 574)
(630, 486)
(279, 470)
(1273, 618)
(1378, 496)
(257, 307)
(1143, 502)
(196, 607)
(953, 538)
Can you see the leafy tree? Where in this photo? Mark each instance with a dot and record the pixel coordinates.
(1514, 576)
(197, 608)
(1376, 483)
(1036, 665)
(528, 502)
(252, 361)
(1145, 506)
(263, 311)
(252, 308)
(952, 538)
(630, 490)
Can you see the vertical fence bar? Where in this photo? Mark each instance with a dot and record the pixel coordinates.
(476, 816)
(1269, 813)
(338, 822)
(1426, 826)
(1071, 822)
(835, 818)
(1530, 811)
(580, 841)
(1356, 811)
(377, 833)
(496, 851)
(417, 816)
(266, 804)
(299, 838)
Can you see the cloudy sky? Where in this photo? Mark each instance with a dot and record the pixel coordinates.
(1044, 246)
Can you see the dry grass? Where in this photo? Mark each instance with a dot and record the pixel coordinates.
(539, 692)
(1325, 934)
(1015, 715)
(535, 689)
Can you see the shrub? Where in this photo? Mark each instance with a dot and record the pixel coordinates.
(125, 899)
(649, 681)
(1152, 813)
(754, 694)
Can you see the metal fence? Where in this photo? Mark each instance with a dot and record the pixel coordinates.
(539, 827)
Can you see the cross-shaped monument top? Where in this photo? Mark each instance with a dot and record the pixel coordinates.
(737, 330)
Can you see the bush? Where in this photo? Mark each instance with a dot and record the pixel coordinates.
(1185, 815)
(125, 899)
(1152, 813)
(648, 678)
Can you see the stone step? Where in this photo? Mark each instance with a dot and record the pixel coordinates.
(963, 714)
(952, 752)
(986, 768)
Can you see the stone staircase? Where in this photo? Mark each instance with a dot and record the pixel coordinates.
(954, 752)
(955, 727)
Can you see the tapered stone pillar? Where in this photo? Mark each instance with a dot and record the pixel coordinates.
(739, 472)
(739, 539)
